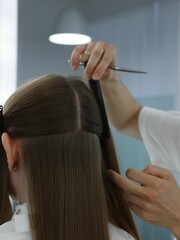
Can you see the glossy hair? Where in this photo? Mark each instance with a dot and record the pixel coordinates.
(65, 161)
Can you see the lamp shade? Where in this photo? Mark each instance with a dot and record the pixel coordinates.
(70, 29)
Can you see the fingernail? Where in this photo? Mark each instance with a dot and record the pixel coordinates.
(96, 75)
(88, 76)
(74, 66)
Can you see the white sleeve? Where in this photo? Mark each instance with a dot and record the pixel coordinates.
(160, 132)
(117, 233)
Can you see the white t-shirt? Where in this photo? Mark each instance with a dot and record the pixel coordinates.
(160, 132)
(18, 228)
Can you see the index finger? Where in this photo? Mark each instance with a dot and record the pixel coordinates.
(74, 59)
(126, 184)
(141, 177)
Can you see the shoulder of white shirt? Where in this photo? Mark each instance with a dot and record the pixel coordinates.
(18, 228)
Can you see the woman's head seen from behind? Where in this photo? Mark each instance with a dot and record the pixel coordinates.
(52, 140)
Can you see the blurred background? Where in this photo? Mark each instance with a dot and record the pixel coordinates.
(146, 34)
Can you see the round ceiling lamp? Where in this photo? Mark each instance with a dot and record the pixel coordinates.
(70, 29)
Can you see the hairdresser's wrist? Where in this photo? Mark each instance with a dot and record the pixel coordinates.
(112, 84)
(114, 87)
(111, 78)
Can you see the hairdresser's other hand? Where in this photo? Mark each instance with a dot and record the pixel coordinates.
(154, 196)
(99, 56)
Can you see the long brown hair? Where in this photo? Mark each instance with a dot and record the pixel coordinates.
(65, 161)
(5, 205)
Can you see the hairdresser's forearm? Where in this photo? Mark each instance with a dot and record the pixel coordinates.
(123, 110)
(176, 231)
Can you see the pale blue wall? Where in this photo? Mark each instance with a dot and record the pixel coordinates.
(132, 154)
(146, 38)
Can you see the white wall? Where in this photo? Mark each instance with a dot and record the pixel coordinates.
(177, 99)
(8, 48)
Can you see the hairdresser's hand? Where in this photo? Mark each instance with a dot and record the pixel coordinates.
(122, 109)
(99, 56)
(154, 196)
